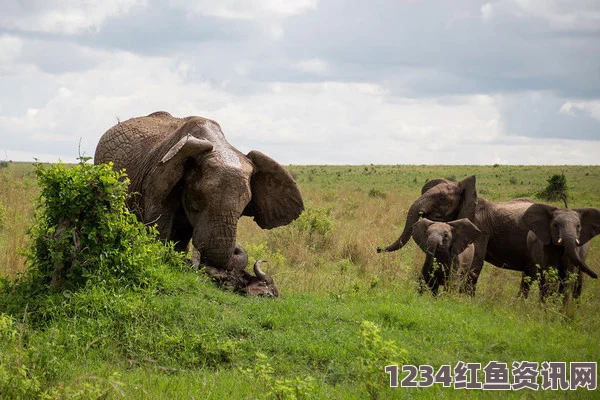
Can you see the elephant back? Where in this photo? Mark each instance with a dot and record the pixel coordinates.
(138, 144)
(126, 143)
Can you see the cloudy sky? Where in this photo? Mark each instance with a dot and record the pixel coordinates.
(310, 81)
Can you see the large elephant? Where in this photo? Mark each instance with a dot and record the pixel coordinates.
(449, 245)
(186, 178)
(503, 241)
(559, 238)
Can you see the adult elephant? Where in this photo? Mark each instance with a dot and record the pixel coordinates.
(194, 185)
(503, 241)
(559, 238)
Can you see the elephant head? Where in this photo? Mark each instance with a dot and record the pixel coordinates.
(200, 186)
(441, 200)
(568, 229)
(242, 282)
(451, 238)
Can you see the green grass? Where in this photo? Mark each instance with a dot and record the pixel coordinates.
(188, 339)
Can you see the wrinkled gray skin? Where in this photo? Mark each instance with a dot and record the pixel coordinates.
(195, 186)
(450, 244)
(559, 238)
(503, 241)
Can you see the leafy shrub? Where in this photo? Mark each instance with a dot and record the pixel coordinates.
(315, 221)
(451, 178)
(557, 189)
(84, 230)
(377, 194)
(3, 164)
(84, 234)
(261, 250)
(262, 375)
(374, 354)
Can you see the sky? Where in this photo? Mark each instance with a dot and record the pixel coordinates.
(310, 81)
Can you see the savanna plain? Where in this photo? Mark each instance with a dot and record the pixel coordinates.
(344, 312)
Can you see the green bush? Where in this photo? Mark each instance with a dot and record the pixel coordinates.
(84, 230)
(262, 250)
(262, 375)
(377, 194)
(557, 189)
(84, 235)
(374, 354)
(315, 221)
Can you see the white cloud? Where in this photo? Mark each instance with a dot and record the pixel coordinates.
(592, 108)
(339, 83)
(560, 14)
(314, 66)
(62, 16)
(10, 51)
(246, 9)
(10, 48)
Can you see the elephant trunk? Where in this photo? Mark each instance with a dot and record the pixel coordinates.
(432, 245)
(216, 241)
(572, 252)
(239, 259)
(412, 217)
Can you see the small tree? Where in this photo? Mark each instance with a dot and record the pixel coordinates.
(557, 189)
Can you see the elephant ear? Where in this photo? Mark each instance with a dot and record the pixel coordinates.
(433, 183)
(537, 219)
(171, 167)
(590, 223)
(468, 190)
(276, 200)
(419, 232)
(464, 232)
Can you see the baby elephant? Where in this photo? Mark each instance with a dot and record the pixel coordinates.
(450, 244)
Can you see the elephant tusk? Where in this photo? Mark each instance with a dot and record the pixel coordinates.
(559, 241)
(578, 242)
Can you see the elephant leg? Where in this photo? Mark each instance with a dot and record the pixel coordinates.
(181, 232)
(441, 277)
(562, 281)
(472, 275)
(545, 288)
(434, 287)
(426, 278)
(525, 286)
(578, 285)
(528, 277)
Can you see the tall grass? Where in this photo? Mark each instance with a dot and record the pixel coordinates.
(18, 189)
(195, 341)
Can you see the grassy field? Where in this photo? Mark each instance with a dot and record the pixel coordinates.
(192, 340)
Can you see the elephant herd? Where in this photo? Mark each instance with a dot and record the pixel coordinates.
(187, 179)
(518, 235)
